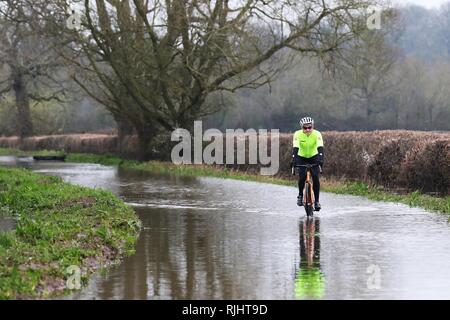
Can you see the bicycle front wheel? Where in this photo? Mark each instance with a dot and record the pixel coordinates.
(308, 201)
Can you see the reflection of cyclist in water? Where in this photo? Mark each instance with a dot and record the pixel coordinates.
(309, 280)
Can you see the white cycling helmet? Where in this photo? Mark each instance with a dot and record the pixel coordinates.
(306, 120)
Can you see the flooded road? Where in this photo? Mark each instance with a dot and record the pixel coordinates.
(208, 238)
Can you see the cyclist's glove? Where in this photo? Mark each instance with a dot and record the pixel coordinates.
(321, 156)
(295, 157)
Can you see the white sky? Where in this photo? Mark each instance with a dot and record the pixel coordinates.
(424, 3)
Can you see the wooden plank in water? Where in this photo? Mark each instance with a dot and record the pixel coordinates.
(49, 158)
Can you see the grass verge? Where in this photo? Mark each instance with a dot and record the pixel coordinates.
(58, 225)
(22, 153)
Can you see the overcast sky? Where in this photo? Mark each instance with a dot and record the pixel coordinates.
(423, 3)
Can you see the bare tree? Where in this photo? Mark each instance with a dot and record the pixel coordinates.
(443, 21)
(434, 90)
(405, 89)
(169, 56)
(362, 67)
(28, 63)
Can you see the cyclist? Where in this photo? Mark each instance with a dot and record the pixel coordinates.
(308, 149)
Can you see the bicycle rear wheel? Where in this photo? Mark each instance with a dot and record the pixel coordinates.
(308, 204)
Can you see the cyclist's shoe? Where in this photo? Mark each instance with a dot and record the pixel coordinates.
(317, 206)
(300, 201)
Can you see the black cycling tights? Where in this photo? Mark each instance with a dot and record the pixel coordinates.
(315, 177)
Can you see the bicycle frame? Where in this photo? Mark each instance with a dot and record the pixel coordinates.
(308, 193)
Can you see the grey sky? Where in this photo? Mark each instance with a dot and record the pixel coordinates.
(424, 3)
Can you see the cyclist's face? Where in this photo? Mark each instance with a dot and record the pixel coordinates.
(307, 128)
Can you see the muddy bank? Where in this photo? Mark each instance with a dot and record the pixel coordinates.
(409, 160)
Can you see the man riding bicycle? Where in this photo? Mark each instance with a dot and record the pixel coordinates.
(308, 149)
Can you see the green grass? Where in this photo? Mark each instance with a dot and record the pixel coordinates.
(413, 199)
(107, 160)
(22, 153)
(58, 225)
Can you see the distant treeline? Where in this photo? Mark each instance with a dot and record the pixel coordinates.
(415, 97)
(56, 118)
(400, 81)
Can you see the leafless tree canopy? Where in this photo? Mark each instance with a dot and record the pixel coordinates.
(158, 61)
(158, 65)
(28, 63)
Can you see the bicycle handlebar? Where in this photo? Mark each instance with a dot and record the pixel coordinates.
(306, 166)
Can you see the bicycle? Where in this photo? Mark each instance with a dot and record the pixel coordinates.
(308, 193)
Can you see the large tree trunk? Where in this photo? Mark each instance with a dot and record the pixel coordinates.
(154, 143)
(146, 133)
(124, 130)
(145, 139)
(23, 106)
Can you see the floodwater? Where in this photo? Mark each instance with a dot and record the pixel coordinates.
(208, 238)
